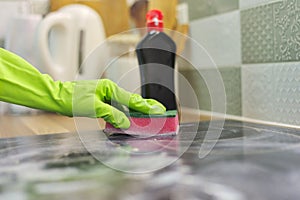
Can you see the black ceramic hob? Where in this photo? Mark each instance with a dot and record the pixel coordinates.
(247, 161)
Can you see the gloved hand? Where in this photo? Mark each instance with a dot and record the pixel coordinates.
(21, 83)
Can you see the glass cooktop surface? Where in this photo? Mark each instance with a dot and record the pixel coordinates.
(246, 161)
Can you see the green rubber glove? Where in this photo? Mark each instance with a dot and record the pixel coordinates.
(21, 83)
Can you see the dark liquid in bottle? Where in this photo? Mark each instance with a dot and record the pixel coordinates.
(156, 55)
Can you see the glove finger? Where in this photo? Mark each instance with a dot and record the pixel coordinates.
(148, 106)
(111, 91)
(112, 115)
(156, 107)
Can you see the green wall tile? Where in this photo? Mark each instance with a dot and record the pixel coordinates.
(257, 34)
(287, 30)
(232, 82)
(271, 33)
(204, 8)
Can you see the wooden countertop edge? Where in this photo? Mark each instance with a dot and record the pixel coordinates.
(51, 123)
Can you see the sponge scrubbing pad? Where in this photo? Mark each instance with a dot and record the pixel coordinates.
(143, 124)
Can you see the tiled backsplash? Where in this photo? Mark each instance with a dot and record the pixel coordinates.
(271, 33)
(232, 82)
(265, 80)
(257, 91)
(287, 92)
(272, 92)
(257, 35)
(287, 30)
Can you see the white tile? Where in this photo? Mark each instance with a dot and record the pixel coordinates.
(272, 92)
(257, 92)
(220, 38)
(287, 93)
(244, 4)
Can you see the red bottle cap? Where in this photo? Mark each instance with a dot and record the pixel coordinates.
(154, 20)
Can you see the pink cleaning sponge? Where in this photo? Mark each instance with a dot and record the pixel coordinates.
(142, 124)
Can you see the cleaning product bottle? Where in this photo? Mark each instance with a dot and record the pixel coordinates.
(156, 54)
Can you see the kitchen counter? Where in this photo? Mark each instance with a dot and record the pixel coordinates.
(246, 161)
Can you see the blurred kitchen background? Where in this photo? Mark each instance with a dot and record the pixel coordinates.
(255, 45)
